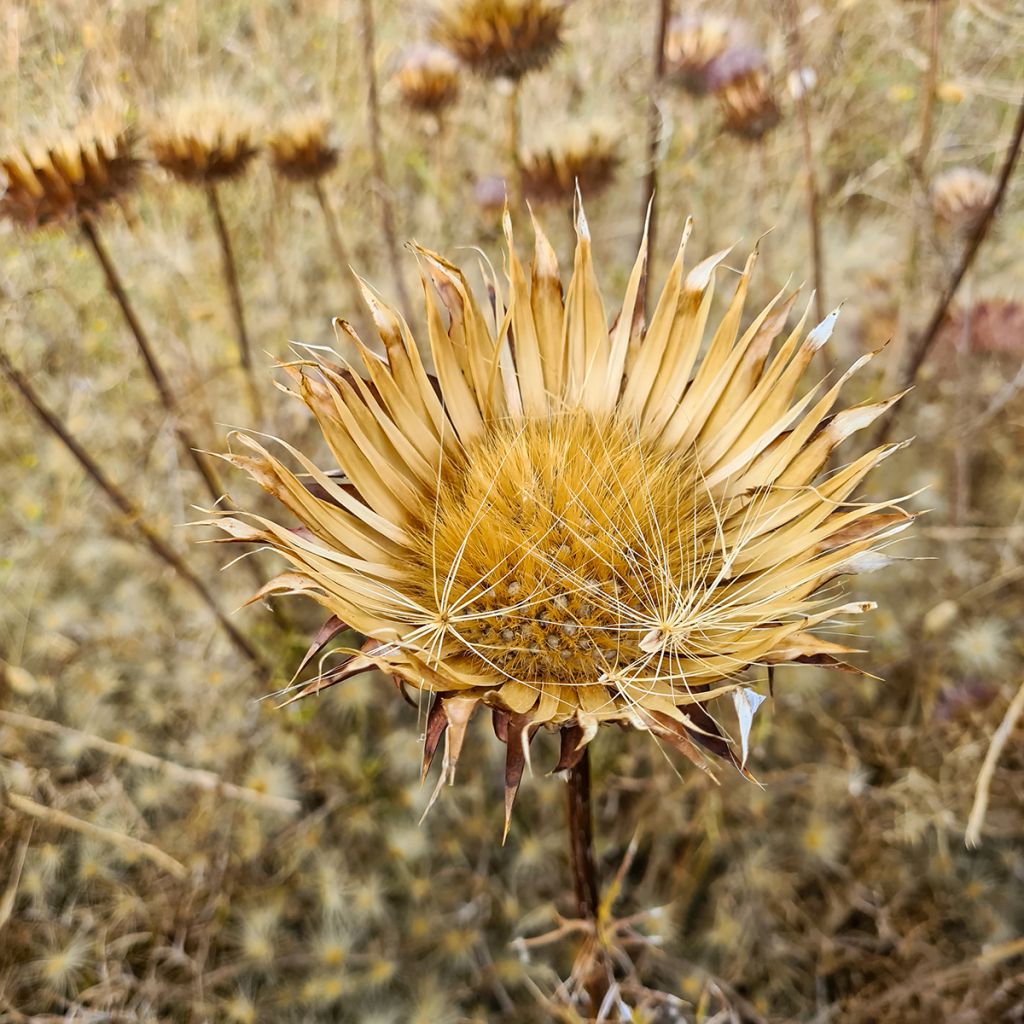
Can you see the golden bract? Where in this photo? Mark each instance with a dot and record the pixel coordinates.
(301, 148)
(74, 174)
(551, 173)
(428, 78)
(572, 525)
(500, 38)
(203, 140)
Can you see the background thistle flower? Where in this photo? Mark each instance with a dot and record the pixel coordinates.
(427, 78)
(500, 38)
(740, 82)
(692, 42)
(71, 175)
(595, 527)
(301, 147)
(585, 160)
(203, 139)
(961, 195)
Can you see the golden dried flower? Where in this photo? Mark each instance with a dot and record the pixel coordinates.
(301, 148)
(740, 81)
(203, 139)
(961, 195)
(501, 38)
(553, 172)
(51, 180)
(692, 42)
(572, 525)
(428, 78)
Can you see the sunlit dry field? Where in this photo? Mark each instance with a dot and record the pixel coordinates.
(177, 846)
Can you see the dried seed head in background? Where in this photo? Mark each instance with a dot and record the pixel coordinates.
(589, 526)
(500, 38)
(490, 194)
(991, 326)
(961, 195)
(740, 81)
(204, 139)
(71, 174)
(551, 173)
(692, 42)
(427, 78)
(301, 148)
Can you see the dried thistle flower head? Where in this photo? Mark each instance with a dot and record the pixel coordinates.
(72, 174)
(204, 139)
(961, 195)
(585, 159)
(692, 42)
(301, 147)
(428, 78)
(573, 525)
(500, 38)
(741, 84)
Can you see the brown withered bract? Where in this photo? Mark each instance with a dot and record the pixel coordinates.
(500, 38)
(206, 139)
(741, 83)
(552, 173)
(301, 147)
(692, 42)
(595, 526)
(961, 196)
(49, 180)
(427, 78)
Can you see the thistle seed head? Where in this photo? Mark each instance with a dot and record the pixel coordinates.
(428, 78)
(692, 42)
(741, 83)
(961, 196)
(301, 148)
(205, 139)
(587, 160)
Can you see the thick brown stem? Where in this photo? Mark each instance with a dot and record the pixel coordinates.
(230, 270)
(387, 212)
(128, 509)
(167, 399)
(926, 340)
(580, 822)
(650, 194)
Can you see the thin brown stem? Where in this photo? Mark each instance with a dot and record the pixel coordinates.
(160, 382)
(230, 270)
(513, 141)
(927, 338)
(339, 250)
(128, 509)
(649, 212)
(387, 213)
(810, 174)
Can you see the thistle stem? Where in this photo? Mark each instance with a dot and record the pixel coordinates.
(513, 140)
(338, 248)
(230, 270)
(128, 509)
(387, 213)
(160, 382)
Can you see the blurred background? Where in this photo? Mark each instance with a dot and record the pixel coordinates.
(173, 848)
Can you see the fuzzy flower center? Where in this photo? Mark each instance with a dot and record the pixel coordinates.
(566, 549)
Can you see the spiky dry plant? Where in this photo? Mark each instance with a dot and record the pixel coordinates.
(741, 83)
(427, 78)
(961, 196)
(203, 139)
(587, 159)
(571, 525)
(73, 174)
(301, 148)
(692, 42)
(500, 38)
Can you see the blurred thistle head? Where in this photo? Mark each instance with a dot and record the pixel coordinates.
(990, 327)
(71, 174)
(500, 38)
(301, 147)
(427, 78)
(584, 159)
(490, 194)
(961, 196)
(572, 525)
(740, 82)
(692, 42)
(203, 139)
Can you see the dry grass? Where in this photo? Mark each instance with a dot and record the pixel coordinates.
(841, 891)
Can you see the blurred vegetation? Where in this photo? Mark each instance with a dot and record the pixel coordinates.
(840, 890)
